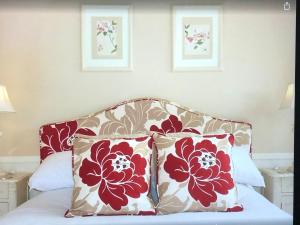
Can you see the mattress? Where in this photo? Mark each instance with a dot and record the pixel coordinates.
(49, 207)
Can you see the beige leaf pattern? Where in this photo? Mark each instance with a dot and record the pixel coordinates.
(81, 145)
(138, 115)
(115, 126)
(89, 122)
(106, 209)
(76, 192)
(81, 206)
(180, 110)
(157, 113)
(77, 162)
(164, 104)
(239, 130)
(163, 188)
(191, 120)
(171, 204)
(241, 138)
(142, 149)
(162, 142)
(196, 207)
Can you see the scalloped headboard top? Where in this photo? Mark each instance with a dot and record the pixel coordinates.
(139, 116)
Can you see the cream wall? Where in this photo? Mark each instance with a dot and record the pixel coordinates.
(40, 63)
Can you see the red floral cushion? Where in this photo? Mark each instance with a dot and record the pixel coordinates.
(112, 176)
(195, 173)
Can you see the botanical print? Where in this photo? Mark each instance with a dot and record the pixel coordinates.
(107, 36)
(197, 35)
(197, 38)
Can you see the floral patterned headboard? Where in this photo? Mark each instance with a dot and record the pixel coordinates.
(139, 116)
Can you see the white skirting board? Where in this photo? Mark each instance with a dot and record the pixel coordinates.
(30, 163)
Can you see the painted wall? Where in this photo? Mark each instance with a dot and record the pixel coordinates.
(40, 63)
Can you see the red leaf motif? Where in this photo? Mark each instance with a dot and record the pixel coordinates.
(90, 172)
(224, 161)
(122, 148)
(139, 164)
(99, 150)
(176, 168)
(202, 191)
(172, 125)
(113, 195)
(184, 147)
(206, 145)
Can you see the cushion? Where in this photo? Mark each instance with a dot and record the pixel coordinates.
(112, 176)
(54, 172)
(245, 171)
(195, 173)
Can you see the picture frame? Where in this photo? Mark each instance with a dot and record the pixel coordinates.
(197, 38)
(106, 37)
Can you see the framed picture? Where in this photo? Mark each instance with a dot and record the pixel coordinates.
(106, 37)
(197, 37)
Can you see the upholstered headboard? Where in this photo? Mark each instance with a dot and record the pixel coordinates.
(139, 116)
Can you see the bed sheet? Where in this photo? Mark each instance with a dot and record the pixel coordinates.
(49, 207)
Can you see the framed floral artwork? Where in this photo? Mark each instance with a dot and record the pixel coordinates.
(197, 36)
(106, 37)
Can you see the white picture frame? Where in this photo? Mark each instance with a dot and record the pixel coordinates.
(106, 38)
(197, 38)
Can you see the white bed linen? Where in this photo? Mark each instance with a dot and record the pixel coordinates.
(49, 207)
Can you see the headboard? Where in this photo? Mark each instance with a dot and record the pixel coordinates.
(139, 116)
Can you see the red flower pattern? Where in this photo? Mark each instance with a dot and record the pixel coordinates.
(59, 137)
(172, 125)
(206, 168)
(118, 172)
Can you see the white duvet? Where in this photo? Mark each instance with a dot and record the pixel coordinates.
(49, 207)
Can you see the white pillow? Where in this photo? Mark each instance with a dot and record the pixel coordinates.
(54, 172)
(245, 171)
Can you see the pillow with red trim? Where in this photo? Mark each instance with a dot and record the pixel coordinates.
(195, 173)
(111, 177)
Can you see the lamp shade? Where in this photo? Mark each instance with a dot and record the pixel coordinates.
(289, 99)
(5, 105)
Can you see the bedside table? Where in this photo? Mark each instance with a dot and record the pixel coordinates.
(279, 188)
(13, 191)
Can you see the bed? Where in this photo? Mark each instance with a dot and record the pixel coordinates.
(48, 209)
(132, 117)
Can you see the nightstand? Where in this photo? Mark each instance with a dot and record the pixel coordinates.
(279, 188)
(13, 191)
